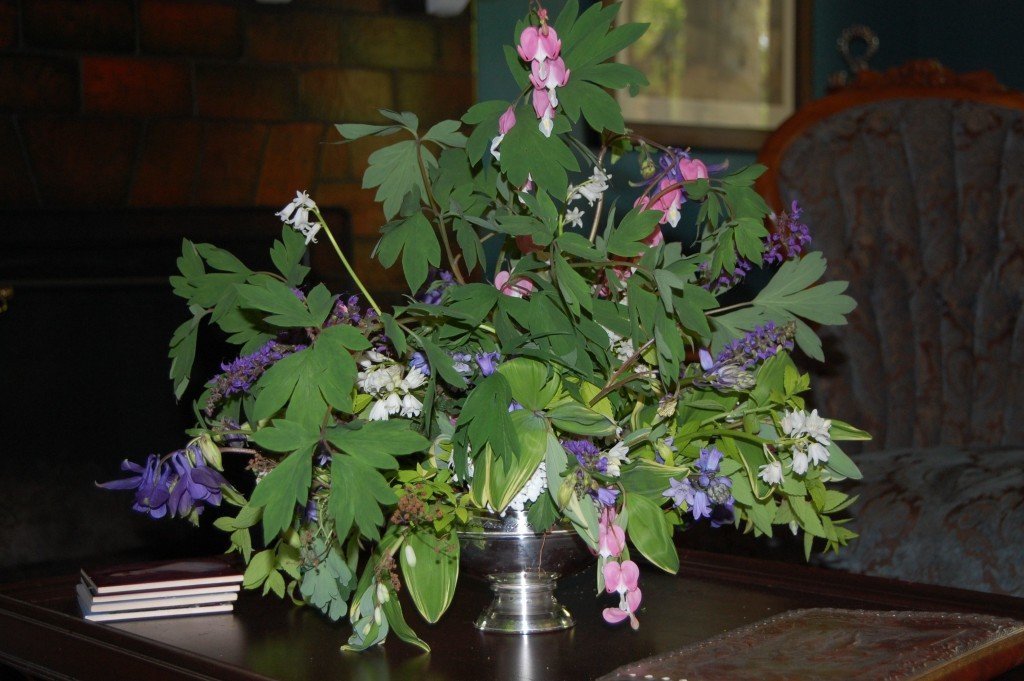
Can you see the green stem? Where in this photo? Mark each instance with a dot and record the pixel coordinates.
(610, 385)
(436, 208)
(733, 414)
(735, 306)
(345, 262)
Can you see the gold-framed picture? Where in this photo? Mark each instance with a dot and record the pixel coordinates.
(723, 73)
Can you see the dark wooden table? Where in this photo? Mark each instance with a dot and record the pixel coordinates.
(43, 634)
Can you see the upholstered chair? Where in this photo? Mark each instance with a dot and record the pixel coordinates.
(912, 183)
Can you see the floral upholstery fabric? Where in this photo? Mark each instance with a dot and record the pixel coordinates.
(949, 516)
(920, 205)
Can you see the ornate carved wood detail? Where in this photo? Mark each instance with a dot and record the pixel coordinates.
(926, 73)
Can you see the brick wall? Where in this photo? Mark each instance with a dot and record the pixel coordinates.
(203, 103)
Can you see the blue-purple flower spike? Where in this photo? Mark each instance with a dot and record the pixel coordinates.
(757, 346)
(240, 375)
(789, 238)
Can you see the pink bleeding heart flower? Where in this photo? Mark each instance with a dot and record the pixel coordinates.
(611, 538)
(549, 74)
(520, 287)
(538, 44)
(507, 121)
(668, 203)
(622, 578)
(692, 169)
(542, 103)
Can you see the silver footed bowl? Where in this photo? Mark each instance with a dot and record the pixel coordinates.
(522, 566)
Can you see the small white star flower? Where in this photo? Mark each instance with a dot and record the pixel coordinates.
(800, 462)
(792, 423)
(574, 217)
(379, 412)
(818, 453)
(817, 428)
(411, 406)
(616, 457)
(771, 473)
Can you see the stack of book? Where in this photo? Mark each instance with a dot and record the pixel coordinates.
(148, 591)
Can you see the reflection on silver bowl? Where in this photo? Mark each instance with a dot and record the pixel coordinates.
(522, 566)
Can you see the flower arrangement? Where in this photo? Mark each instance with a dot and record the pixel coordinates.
(596, 379)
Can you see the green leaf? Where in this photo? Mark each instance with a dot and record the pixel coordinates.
(183, 351)
(354, 131)
(284, 487)
(357, 492)
(446, 133)
(841, 464)
(395, 172)
(511, 473)
(573, 287)
(320, 303)
(573, 417)
(222, 260)
(416, 240)
(278, 300)
(599, 108)
(528, 382)
(259, 568)
(555, 462)
(441, 363)
(627, 238)
(651, 533)
(395, 333)
(788, 292)
(393, 611)
(486, 418)
(406, 119)
(433, 576)
(377, 442)
(650, 479)
(484, 116)
(526, 152)
(515, 66)
(287, 254)
(806, 516)
(276, 385)
(611, 75)
(285, 436)
(841, 430)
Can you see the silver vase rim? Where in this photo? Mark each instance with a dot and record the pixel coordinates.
(512, 524)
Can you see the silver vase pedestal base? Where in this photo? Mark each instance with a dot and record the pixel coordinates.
(524, 603)
(522, 567)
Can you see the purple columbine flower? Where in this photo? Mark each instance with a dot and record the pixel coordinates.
(708, 495)
(150, 483)
(197, 484)
(488, 362)
(789, 238)
(419, 361)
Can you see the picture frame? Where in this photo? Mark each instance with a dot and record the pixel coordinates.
(724, 73)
